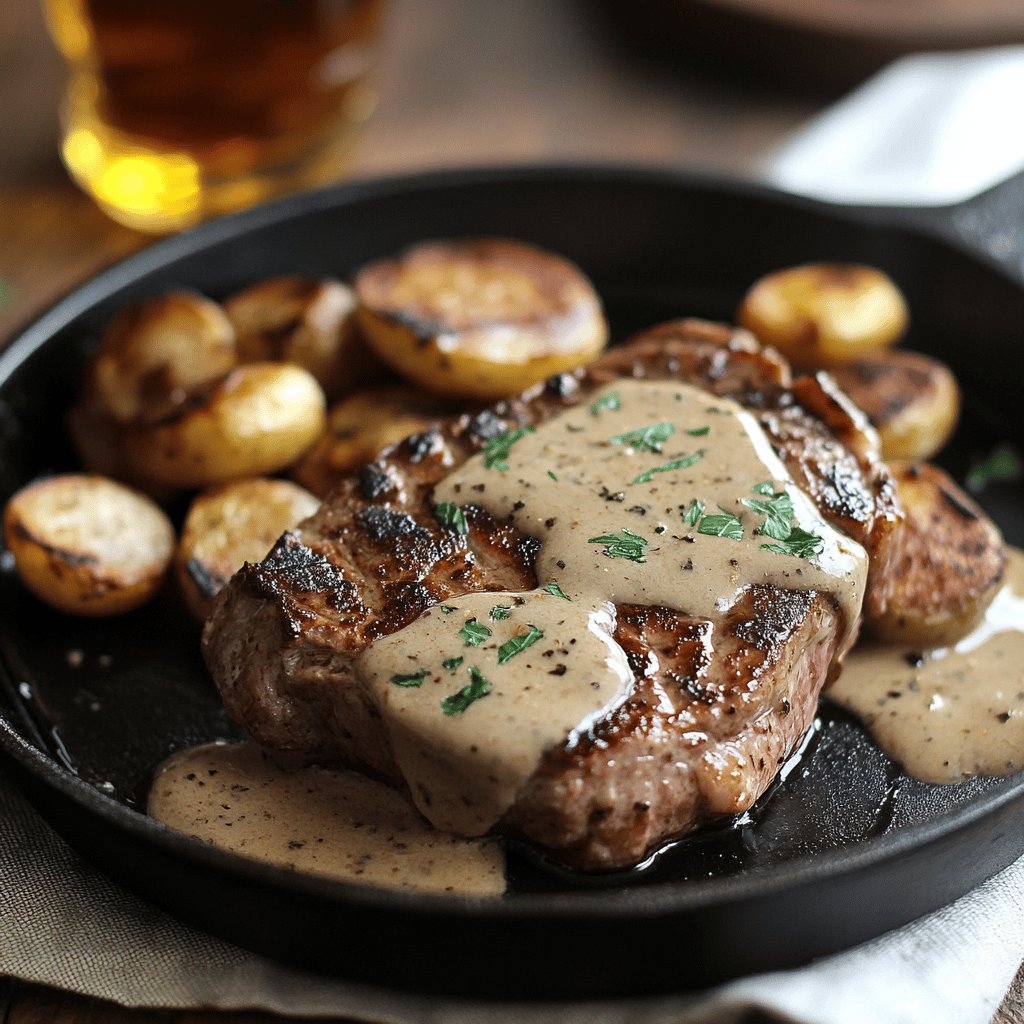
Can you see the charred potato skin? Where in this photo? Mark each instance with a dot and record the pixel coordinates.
(256, 421)
(479, 318)
(363, 424)
(229, 525)
(951, 562)
(309, 322)
(825, 314)
(76, 569)
(156, 351)
(911, 399)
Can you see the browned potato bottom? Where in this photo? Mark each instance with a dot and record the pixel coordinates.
(230, 525)
(951, 565)
(87, 545)
(912, 400)
(824, 314)
(479, 318)
(362, 424)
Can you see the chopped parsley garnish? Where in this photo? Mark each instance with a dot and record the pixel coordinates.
(497, 449)
(646, 438)
(724, 525)
(610, 401)
(556, 591)
(452, 516)
(477, 687)
(448, 609)
(1002, 465)
(552, 475)
(518, 644)
(699, 432)
(778, 513)
(683, 462)
(474, 633)
(410, 678)
(764, 487)
(452, 663)
(799, 544)
(630, 545)
(696, 509)
(501, 611)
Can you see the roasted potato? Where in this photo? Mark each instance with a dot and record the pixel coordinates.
(230, 525)
(155, 352)
(911, 399)
(359, 426)
(824, 314)
(951, 564)
(87, 545)
(481, 318)
(308, 322)
(257, 420)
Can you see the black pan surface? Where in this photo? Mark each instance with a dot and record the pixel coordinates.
(844, 849)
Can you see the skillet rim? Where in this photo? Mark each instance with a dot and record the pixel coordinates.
(652, 899)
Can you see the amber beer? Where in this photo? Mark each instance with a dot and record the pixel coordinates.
(179, 109)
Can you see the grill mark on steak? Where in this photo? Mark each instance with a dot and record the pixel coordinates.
(715, 707)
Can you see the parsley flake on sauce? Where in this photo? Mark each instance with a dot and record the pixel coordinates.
(556, 591)
(724, 525)
(799, 544)
(699, 431)
(501, 611)
(452, 663)
(778, 513)
(696, 509)
(683, 462)
(611, 402)
(646, 438)
(478, 687)
(474, 633)
(496, 450)
(452, 516)
(630, 545)
(410, 678)
(518, 644)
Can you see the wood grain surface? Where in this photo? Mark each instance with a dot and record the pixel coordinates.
(459, 82)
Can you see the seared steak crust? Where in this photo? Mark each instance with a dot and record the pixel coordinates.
(716, 707)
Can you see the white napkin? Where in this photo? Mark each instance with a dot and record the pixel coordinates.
(930, 129)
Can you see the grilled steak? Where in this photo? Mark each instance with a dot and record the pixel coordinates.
(715, 705)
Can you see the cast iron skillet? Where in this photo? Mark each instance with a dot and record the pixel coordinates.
(847, 846)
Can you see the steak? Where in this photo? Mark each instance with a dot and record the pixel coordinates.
(715, 706)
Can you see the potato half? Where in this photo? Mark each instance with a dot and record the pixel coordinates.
(912, 400)
(951, 564)
(359, 426)
(87, 545)
(258, 419)
(309, 322)
(480, 318)
(823, 314)
(156, 351)
(230, 525)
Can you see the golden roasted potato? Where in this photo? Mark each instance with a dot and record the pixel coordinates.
(480, 318)
(230, 525)
(823, 314)
(951, 564)
(308, 322)
(157, 351)
(359, 426)
(87, 545)
(258, 419)
(912, 400)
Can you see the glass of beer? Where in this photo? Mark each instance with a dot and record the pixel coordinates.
(177, 110)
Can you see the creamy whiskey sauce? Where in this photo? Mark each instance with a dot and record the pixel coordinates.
(586, 474)
(950, 713)
(337, 824)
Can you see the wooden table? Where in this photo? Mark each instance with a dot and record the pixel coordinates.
(460, 82)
